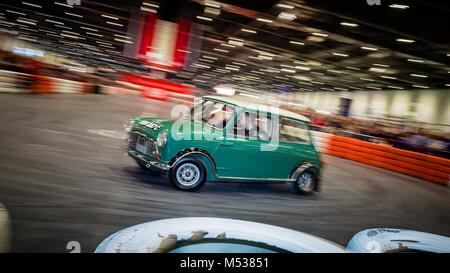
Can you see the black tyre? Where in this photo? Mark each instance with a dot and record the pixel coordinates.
(305, 183)
(189, 174)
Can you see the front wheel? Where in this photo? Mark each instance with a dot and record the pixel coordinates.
(189, 174)
(305, 183)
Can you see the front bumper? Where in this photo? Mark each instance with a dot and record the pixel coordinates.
(148, 163)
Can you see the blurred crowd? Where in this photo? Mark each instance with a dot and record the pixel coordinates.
(402, 135)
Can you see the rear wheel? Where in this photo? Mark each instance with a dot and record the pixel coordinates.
(189, 174)
(305, 183)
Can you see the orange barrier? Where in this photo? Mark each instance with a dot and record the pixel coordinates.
(42, 84)
(428, 167)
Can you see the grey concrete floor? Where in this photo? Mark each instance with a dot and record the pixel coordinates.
(65, 177)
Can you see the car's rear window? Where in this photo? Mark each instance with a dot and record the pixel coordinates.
(294, 131)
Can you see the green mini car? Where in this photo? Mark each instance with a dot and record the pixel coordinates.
(227, 139)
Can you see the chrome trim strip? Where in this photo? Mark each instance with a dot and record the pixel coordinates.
(149, 162)
(257, 179)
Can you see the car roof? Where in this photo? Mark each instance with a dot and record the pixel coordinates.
(251, 104)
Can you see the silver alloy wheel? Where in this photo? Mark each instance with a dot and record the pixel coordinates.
(188, 174)
(305, 181)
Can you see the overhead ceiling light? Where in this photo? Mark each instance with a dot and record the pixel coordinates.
(366, 79)
(110, 17)
(419, 75)
(353, 68)
(248, 30)
(54, 22)
(221, 50)
(264, 20)
(73, 14)
(232, 68)
(420, 86)
(228, 45)
(287, 16)
(382, 65)
(394, 87)
(239, 63)
(314, 63)
(401, 40)
(321, 83)
(302, 68)
(369, 48)
(94, 34)
(63, 4)
(348, 24)
(235, 43)
(115, 24)
(209, 57)
(104, 43)
(16, 12)
(151, 5)
(320, 34)
(212, 4)
(213, 11)
(285, 6)
(378, 70)
(341, 89)
(315, 39)
(340, 54)
(388, 77)
(373, 87)
(201, 66)
(30, 4)
(126, 37)
(26, 22)
(204, 18)
(296, 43)
(124, 41)
(89, 29)
(263, 57)
(415, 60)
(397, 6)
(334, 71)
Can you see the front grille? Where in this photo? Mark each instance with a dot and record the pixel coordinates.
(151, 150)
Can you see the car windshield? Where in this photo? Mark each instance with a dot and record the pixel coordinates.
(212, 113)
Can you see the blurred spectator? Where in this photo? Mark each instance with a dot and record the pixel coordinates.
(398, 135)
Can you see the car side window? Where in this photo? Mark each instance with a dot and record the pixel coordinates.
(214, 114)
(253, 125)
(294, 131)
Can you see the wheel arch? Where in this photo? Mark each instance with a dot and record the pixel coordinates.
(303, 166)
(203, 155)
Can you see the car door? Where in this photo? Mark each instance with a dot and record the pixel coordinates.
(294, 145)
(240, 155)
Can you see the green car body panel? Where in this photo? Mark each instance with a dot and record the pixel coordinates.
(227, 159)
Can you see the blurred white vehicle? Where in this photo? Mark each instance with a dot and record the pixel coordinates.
(219, 235)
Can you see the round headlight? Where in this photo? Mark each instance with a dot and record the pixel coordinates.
(161, 140)
(128, 125)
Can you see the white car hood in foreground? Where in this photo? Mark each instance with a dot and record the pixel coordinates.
(219, 235)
